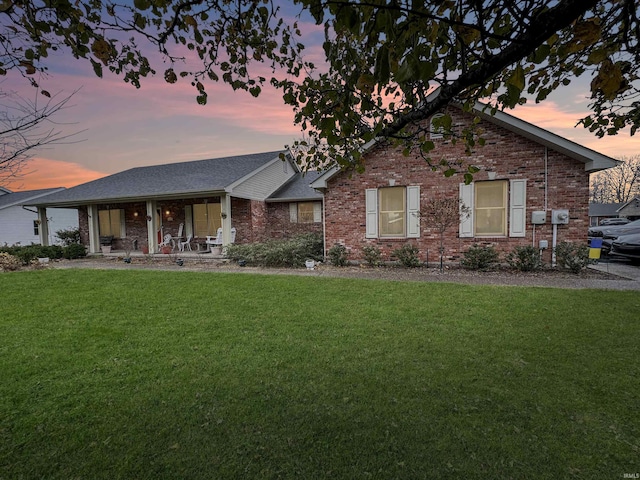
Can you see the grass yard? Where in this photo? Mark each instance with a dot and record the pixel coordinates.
(158, 375)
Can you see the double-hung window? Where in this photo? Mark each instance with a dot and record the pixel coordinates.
(206, 219)
(494, 208)
(393, 212)
(111, 223)
(305, 212)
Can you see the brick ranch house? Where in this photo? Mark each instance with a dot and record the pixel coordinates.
(262, 196)
(526, 174)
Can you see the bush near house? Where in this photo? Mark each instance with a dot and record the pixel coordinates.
(408, 255)
(525, 259)
(279, 253)
(338, 255)
(372, 255)
(572, 256)
(9, 263)
(69, 236)
(480, 257)
(73, 251)
(28, 253)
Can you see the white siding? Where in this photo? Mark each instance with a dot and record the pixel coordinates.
(16, 224)
(263, 183)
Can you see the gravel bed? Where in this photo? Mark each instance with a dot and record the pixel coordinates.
(588, 278)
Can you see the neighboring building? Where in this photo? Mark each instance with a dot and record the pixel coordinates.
(255, 194)
(20, 224)
(630, 210)
(600, 211)
(526, 175)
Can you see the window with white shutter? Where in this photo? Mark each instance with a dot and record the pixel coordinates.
(489, 211)
(392, 212)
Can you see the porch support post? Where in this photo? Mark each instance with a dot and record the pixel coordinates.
(225, 211)
(152, 226)
(43, 230)
(94, 229)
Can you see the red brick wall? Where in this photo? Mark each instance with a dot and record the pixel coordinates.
(241, 219)
(280, 225)
(509, 155)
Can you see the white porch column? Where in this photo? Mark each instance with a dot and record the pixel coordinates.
(94, 229)
(152, 226)
(43, 230)
(225, 212)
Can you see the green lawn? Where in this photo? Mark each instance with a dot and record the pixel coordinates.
(179, 375)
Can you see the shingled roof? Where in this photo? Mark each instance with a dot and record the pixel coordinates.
(27, 197)
(298, 188)
(162, 181)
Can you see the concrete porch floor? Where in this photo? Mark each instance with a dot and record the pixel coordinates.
(203, 255)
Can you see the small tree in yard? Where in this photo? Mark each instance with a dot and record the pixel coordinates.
(443, 213)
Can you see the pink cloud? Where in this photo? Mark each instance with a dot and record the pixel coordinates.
(46, 173)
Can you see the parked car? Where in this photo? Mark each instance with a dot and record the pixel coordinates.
(627, 246)
(616, 230)
(614, 221)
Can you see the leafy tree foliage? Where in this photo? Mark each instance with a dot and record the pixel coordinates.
(390, 64)
(618, 184)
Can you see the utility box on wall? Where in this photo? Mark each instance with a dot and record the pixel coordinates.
(539, 217)
(559, 217)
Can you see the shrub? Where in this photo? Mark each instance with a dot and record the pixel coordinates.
(9, 263)
(408, 255)
(524, 259)
(29, 253)
(480, 258)
(69, 236)
(371, 255)
(338, 255)
(74, 250)
(572, 256)
(279, 253)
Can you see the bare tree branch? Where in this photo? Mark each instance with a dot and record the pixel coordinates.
(25, 127)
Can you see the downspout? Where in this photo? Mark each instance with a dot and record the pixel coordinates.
(546, 193)
(324, 230)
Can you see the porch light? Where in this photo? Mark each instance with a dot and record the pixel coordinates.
(135, 214)
(492, 175)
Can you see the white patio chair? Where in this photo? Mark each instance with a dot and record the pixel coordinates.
(186, 243)
(167, 242)
(215, 241)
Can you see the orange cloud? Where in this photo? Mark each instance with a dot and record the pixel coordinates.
(46, 173)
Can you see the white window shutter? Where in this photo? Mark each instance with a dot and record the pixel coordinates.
(466, 222)
(317, 212)
(413, 211)
(371, 200)
(518, 208)
(293, 212)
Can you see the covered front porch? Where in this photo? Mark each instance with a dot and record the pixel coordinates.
(158, 226)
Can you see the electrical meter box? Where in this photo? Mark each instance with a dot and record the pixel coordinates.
(559, 217)
(539, 217)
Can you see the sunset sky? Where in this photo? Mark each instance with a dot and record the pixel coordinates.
(120, 127)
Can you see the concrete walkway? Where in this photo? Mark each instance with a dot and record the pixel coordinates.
(618, 267)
